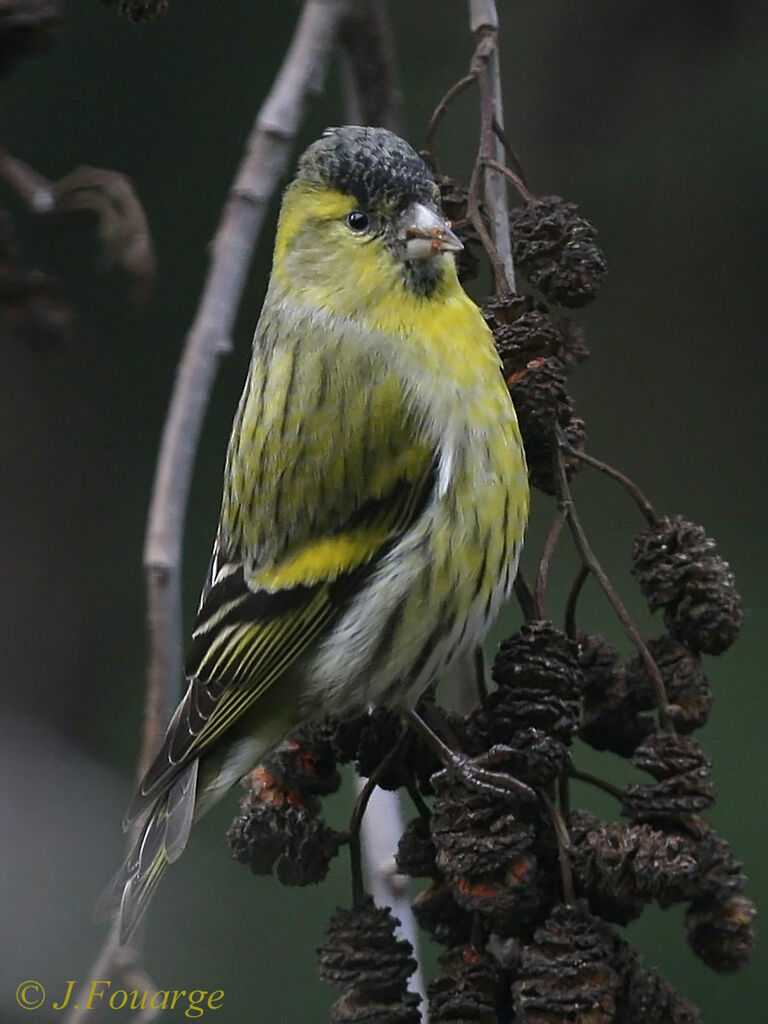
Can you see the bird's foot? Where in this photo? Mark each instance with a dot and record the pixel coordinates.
(475, 773)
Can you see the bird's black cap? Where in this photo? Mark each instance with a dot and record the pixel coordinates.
(374, 165)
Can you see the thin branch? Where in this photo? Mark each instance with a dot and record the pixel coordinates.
(268, 150)
(550, 544)
(440, 111)
(372, 92)
(137, 980)
(418, 800)
(573, 597)
(484, 24)
(475, 215)
(103, 968)
(513, 178)
(563, 839)
(114, 961)
(365, 791)
(382, 827)
(630, 486)
(484, 69)
(512, 156)
(598, 783)
(525, 598)
(589, 560)
(365, 788)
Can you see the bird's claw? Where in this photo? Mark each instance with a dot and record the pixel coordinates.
(475, 776)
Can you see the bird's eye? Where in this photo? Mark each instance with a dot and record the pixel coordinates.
(357, 220)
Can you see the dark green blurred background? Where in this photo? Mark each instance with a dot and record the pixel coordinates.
(650, 115)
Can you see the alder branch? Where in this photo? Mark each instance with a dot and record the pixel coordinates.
(268, 150)
(591, 563)
(382, 826)
(441, 110)
(573, 597)
(114, 961)
(542, 572)
(484, 24)
(630, 486)
(484, 69)
(512, 176)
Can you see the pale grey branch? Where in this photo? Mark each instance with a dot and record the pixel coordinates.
(484, 23)
(268, 150)
(113, 961)
(381, 829)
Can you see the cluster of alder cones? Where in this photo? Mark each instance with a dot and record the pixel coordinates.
(526, 893)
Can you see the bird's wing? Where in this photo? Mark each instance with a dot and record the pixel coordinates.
(255, 621)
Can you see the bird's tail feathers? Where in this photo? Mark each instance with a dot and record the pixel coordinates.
(158, 778)
(161, 841)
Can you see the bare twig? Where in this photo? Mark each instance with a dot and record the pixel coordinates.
(630, 486)
(418, 800)
(598, 783)
(524, 596)
(513, 178)
(137, 980)
(365, 788)
(113, 961)
(591, 562)
(484, 69)
(476, 217)
(573, 597)
(440, 111)
(372, 92)
(563, 840)
(365, 792)
(484, 23)
(512, 156)
(382, 827)
(550, 544)
(267, 152)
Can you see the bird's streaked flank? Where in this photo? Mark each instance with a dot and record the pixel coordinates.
(375, 490)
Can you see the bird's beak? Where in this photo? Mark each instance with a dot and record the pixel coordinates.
(424, 232)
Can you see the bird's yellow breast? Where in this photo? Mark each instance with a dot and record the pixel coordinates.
(398, 360)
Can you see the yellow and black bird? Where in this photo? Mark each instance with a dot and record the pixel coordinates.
(375, 490)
